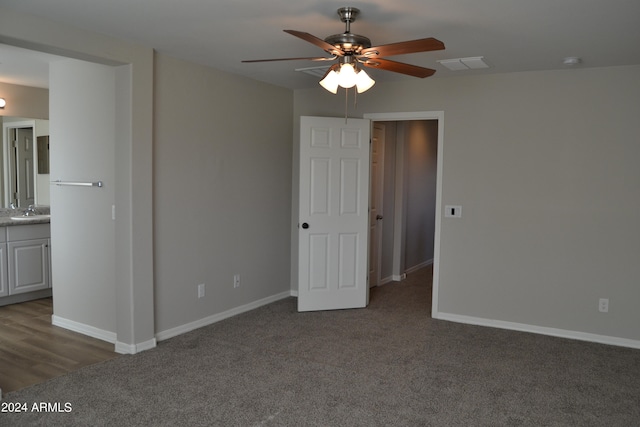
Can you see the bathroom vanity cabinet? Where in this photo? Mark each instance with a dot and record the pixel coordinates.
(24, 262)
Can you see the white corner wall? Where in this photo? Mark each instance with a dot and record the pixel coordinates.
(545, 167)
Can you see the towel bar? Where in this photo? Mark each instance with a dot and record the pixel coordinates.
(78, 184)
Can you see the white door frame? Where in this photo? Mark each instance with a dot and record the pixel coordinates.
(426, 115)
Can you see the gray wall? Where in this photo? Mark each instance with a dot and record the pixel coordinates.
(222, 191)
(421, 148)
(545, 167)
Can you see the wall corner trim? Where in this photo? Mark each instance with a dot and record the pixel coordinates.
(124, 348)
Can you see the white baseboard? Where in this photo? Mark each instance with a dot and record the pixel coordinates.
(124, 348)
(419, 266)
(542, 330)
(169, 333)
(91, 331)
(401, 277)
(387, 280)
(294, 293)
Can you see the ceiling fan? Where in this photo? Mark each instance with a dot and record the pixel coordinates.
(353, 50)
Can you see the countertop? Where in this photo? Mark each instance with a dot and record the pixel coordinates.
(6, 214)
(7, 221)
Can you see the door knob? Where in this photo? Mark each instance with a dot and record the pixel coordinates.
(305, 225)
(379, 217)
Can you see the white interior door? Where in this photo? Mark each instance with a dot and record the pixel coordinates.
(333, 215)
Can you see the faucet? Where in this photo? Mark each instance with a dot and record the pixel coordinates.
(30, 211)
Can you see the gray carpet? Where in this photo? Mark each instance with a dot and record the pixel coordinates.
(387, 365)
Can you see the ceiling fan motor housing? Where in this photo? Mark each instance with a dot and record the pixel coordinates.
(348, 42)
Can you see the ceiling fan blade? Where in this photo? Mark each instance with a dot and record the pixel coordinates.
(399, 67)
(401, 48)
(311, 58)
(316, 41)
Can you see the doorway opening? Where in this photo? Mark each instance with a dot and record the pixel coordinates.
(408, 234)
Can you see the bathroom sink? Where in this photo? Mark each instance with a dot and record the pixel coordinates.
(30, 217)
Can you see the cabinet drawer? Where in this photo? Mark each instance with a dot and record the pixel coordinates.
(28, 232)
(3, 234)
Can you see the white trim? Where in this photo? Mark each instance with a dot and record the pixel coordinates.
(386, 280)
(294, 293)
(187, 327)
(419, 266)
(124, 348)
(399, 277)
(427, 115)
(91, 331)
(542, 330)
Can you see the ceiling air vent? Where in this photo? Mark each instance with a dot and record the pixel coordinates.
(457, 64)
(315, 71)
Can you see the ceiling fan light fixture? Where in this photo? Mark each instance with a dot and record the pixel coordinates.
(347, 77)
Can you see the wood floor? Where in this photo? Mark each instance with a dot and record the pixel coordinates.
(32, 350)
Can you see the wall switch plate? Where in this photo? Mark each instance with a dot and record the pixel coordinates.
(200, 290)
(453, 211)
(236, 280)
(603, 305)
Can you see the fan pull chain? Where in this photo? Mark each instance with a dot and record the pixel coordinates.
(346, 104)
(355, 98)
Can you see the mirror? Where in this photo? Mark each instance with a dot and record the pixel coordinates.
(25, 162)
(43, 154)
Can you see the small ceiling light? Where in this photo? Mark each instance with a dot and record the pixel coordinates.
(571, 60)
(2, 103)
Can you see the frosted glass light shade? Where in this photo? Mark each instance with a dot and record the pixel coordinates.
(330, 82)
(347, 76)
(363, 81)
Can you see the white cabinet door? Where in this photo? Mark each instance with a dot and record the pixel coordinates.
(28, 265)
(334, 196)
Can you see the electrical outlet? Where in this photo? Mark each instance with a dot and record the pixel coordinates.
(236, 280)
(200, 290)
(453, 211)
(603, 305)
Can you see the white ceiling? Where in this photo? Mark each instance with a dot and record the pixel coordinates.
(511, 35)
